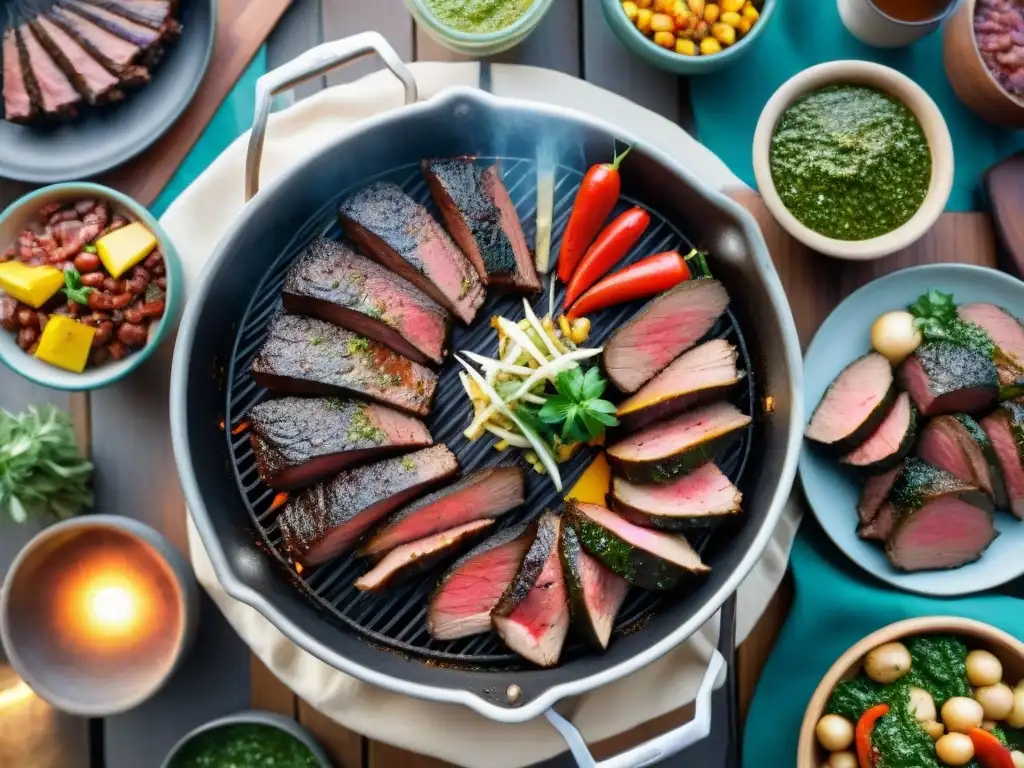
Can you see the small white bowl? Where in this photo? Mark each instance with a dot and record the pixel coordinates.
(897, 85)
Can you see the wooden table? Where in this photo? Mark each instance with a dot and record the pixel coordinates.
(135, 473)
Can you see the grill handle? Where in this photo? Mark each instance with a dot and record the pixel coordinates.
(658, 748)
(314, 63)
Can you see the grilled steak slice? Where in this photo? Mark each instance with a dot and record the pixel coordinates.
(532, 616)
(1005, 428)
(50, 88)
(91, 80)
(938, 520)
(702, 375)
(876, 492)
(333, 283)
(697, 500)
(417, 556)
(468, 591)
(18, 106)
(329, 518)
(959, 445)
(300, 440)
(595, 592)
(1005, 330)
(157, 14)
(669, 448)
(481, 218)
(118, 56)
(888, 445)
(665, 328)
(485, 493)
(644, 557)
(944, 378)
(303, 356)
(854, 404)
(877, 529)
(397, 232)
(143, 36)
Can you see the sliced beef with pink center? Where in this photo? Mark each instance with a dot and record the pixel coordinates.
(696, 500)
(333, 283)
(144, 36)
(91, 80)
(665, 328)
(959, 445)
(891, 442)
(596, 593)
(877, 529)
(532, 616)
(485, 493)
(117, 56)
(944, 378)
(702, 375)
(397, 232)
(417, 556)
(48, 85)
(18, 107)
(1005, 330)
(1005, 427)
(875, 492)
(854, 405)
(468, 591)
(938, 521)
(328, 519)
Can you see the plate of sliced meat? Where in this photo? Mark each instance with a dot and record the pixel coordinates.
(89, 84)
(913, 460)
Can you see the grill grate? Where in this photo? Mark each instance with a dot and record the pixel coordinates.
(396, 619)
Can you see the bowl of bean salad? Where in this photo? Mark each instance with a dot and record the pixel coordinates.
(89, 286)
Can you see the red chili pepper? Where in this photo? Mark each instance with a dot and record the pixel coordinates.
(866, 755)
(594, 203)
(647, 277)
(989, 750)
(609, 249)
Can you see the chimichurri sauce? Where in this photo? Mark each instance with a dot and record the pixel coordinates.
(477, 16)
(245, 746)
(850, 162)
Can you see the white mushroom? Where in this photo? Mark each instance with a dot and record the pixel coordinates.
(834, 733)
(887, 663)
(1016, 717)
(983, 668)
(960, 714)
(895, 335)
(843, 759)
(955, 749)
(922, 705)
(934, 729)
(996, 700)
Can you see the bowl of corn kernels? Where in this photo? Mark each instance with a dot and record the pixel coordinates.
(688, 37)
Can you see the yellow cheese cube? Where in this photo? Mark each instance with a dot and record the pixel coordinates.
(65, 343)
(30, 285)
(123, 248)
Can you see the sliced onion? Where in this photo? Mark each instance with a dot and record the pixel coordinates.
(515, 333)
(512, 438)
(490, 364)
(535, 323)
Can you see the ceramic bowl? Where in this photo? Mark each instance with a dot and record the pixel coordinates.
(975, 634)
(17, 217)
(670, 61)
(253, 717)
(899, 86)
(479, 44)
(970, 77)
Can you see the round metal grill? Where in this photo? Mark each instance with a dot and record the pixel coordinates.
(396, 618)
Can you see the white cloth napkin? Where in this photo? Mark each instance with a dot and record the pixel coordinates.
(196, 221)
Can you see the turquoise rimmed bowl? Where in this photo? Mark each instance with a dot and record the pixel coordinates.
(479, 43)
(17, 217)
(654, 54)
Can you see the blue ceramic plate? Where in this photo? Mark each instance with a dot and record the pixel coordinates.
(833, 492)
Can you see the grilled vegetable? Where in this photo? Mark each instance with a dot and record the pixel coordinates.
(888, 445)
(609, 249)
(641, 280)
(854, 405)
(595, 593)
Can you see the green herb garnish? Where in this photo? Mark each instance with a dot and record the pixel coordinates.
(935, 314)
(89, 248)
(358, 345)
(41, 470)
(316, 341)
(578, 407)
(73, 287)
(408, 463)
(153, 293)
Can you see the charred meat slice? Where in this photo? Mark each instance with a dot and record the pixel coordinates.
(481, 218)
(891, 442)
(468, 591)
(49, 87)
(595, 592)
(18, 106)
(702, 375)
(532, 616)
(670, 448)
(485, 493)
(944, 378)
(417, 556)
(300, 440)
(333, 283)
(699, 499)
(959, 445)
(1005, 330)
(143, 36)
(303, 356)
(938, 521)
(665, 328)
(877, 529)
(854, 404)
(397, 232)
(329, 518)
(876, 492)
(118, 56)
(1005, 428)
(91, 80)
(644, 557)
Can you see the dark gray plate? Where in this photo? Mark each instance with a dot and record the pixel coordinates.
(104, 137)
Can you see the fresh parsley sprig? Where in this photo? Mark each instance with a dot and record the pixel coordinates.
(578, 411)
(935, 314)
(73, 287)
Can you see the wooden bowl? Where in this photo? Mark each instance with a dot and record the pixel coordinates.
(975, 634)
(970, 77)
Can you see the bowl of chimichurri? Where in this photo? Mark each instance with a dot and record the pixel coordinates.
(253, 739)
(853, 159)
(922, 693)
(479, 27)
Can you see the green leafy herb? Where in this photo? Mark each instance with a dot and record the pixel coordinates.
(935, 314)
(73, 287)
(41, 470)
(154, 293)
(700, 259)
(408, 464)
(578, 408)
(89, 248)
